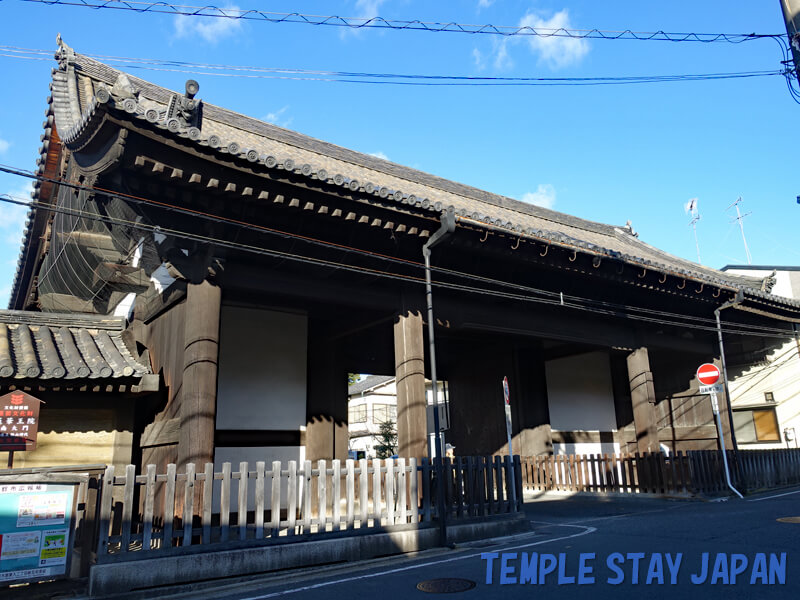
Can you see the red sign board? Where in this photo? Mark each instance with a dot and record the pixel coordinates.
(19, 421)
(708, 374)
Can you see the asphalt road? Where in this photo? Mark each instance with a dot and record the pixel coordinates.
(628, 547)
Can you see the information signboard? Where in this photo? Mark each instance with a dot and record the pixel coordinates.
(35, 531)
(19, 421)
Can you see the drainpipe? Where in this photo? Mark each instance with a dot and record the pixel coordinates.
(448, 225)
(729, 304)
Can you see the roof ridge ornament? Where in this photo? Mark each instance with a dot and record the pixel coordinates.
(65, 55)
(769, 282)
(185, 111)
(123, 88)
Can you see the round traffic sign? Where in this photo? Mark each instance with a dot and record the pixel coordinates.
(708, 374)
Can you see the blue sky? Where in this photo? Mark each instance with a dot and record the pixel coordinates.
(606, 153)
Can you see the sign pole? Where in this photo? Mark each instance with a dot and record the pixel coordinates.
(507, 403)
(708, 375)
(715, 408)
(10, 459)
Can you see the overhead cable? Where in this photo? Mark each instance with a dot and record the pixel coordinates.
(557, 296)
(414, 79)
(378, 22)
(730, 328)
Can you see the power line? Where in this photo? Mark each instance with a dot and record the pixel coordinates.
(617, 311)
(558, 297)
(253, 72)
(405, 25)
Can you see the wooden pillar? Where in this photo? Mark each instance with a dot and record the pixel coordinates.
(533, 435)
(199, 393)
(409, 365)
(643, 399)
(326, 405)
(722, 399)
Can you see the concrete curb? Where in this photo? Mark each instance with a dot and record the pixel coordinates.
(120, 577)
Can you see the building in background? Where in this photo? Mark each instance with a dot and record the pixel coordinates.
(373, 402)
(766, 394)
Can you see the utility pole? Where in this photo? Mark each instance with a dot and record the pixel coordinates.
(791, 14)
(740, 217)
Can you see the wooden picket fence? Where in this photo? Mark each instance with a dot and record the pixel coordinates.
(762, 469)
(693, 472)
(173, 513)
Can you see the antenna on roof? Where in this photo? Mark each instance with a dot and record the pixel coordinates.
(691, 208)
(739, 218)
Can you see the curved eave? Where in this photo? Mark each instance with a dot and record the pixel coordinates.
(276, 166)
(149, 114)
(47, 166)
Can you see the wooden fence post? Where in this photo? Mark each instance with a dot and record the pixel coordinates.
(208, 494)
(275, 500)
(225, 503)
(105, 511)
(188, 505)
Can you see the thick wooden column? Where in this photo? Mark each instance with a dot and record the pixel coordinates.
(723, 400)
(643, 399)
(533, 435)
(409, 365)
(326, 405)
(199, 393)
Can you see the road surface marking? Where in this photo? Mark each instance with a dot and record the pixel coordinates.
(586, 531)
(775, 496)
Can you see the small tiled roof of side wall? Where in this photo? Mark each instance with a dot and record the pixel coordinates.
(368, 383)
(64, 346)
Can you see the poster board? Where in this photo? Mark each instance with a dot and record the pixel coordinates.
(19, 421)
(36, 531)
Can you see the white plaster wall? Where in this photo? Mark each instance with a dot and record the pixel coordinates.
(262, 370)
(585, 448)
(579, 393)
(783, 283)
(781, 376)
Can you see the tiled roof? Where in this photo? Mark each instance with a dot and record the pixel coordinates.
(46, 346)
(368, 383)
(84, 89)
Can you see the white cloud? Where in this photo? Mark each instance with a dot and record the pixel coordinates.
(556, 52)
(479, 60)
(211, 29)
(4, 145)
(379, 154)
(277, 117)
(544, 196)
(368, 8)
(364, 9)
(485, 3)
(502, 60)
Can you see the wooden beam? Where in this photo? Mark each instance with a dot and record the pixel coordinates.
(161, 433)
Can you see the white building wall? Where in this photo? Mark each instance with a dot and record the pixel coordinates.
(780, 375)
(262, 380)
(581, 399)
(262, 369)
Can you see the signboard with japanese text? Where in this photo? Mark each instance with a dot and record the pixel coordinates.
(35, 530)
(19, 421)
